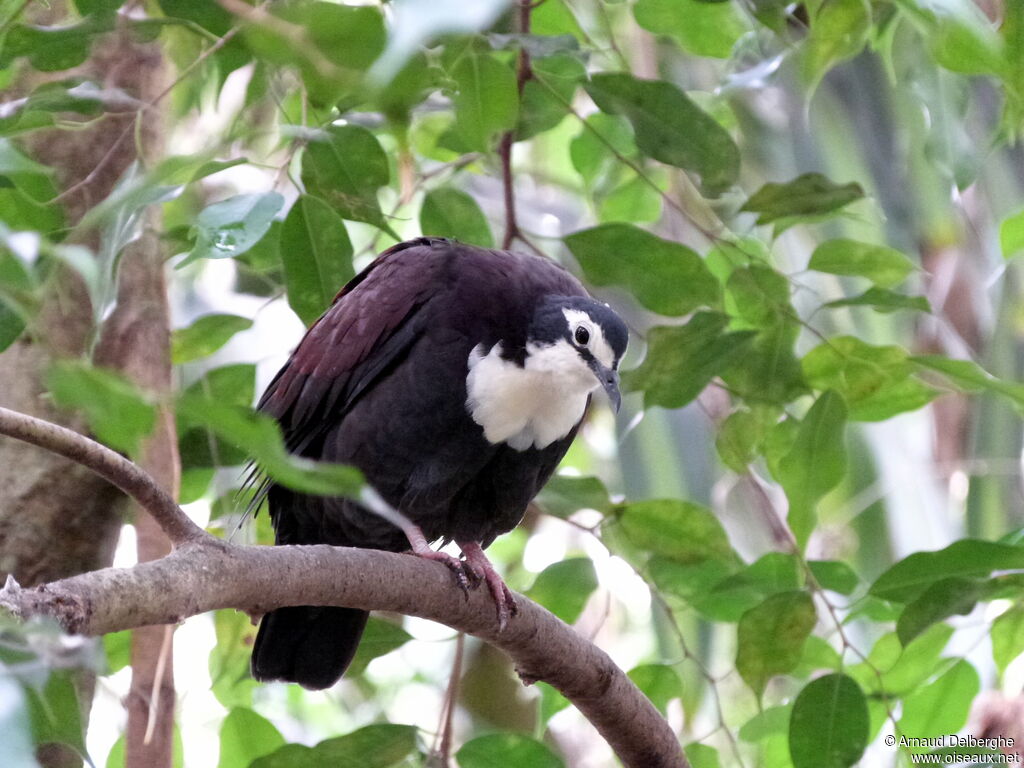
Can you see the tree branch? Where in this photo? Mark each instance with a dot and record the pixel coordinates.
(108, 465)
(204, 574)
(208, 575)
(523, 73)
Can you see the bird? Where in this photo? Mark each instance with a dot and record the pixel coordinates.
(454, 377)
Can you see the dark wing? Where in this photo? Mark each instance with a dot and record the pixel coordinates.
(370, 324)
(373, 321)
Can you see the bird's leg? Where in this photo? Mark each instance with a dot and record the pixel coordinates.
(480, 566)
(420, 548)
(417, 541)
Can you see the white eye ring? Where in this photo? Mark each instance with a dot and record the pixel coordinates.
(582, 335)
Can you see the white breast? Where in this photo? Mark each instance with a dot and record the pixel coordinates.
(532, 405)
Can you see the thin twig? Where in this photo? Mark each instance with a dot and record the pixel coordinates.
(158, 683)
(109, 465)
(523, 73)
(451, 698)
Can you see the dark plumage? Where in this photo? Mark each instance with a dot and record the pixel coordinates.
(380, 382)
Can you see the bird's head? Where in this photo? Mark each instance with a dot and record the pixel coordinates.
(580, 339)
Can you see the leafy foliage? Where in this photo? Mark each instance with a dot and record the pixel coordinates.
(761, 189)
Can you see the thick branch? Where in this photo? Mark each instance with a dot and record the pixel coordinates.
(107, 464)
(209, 575)
(204, 574)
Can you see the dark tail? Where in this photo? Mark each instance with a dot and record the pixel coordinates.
(311, 646)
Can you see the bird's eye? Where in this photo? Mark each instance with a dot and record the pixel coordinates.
(582, 336)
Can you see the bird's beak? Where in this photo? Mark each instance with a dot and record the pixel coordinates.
(610, 381)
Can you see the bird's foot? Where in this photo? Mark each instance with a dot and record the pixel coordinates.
(456, 566)
(481, 568)
(420, 548)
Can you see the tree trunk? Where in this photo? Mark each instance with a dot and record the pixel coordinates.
(57, 520)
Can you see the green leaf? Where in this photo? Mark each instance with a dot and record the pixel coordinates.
(701, 755)
(1011, 235)
(767, 371)
(487, 102)
(692, 582)
(228, 663)
(24, 195)
(941, 707)
(700, 28)
(659, 682)
(874, 381)
(205, 336)
(228, 385)
(727, 597)
(770, 637)
(635, 200)
(769, 722)
(551, 702)
(346, 166)
(210, 167)
(54, 712)
(260, 437)
(195, 481)
(509, 750)
(939, 601)
(317, 256)
(51, 49)
(246, 736)
(331, 45)
(741, 434)
(12, 325)
(829, 724)
(670, 127)
(1008, 637)
(117, 412)
(288, 756)
(839, 31)
(415, 23)
(805, 198)
(680, 530)
(548, 94)
(233, 226)
(375, 746)
(452, 213)
(380, 637)
(117, 648)
(564, 587)
(818, 655)
(884, 266)
(834, 575)
(595, 150)
(884, 301)
(770, 573)
(664, 276)
(816, 462)
(565, 495)
(968, 376)
(903, 668)
(682, 359)
(759, 297)
(964, 40)
(967, 558)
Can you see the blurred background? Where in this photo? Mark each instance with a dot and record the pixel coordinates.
(824, 366)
